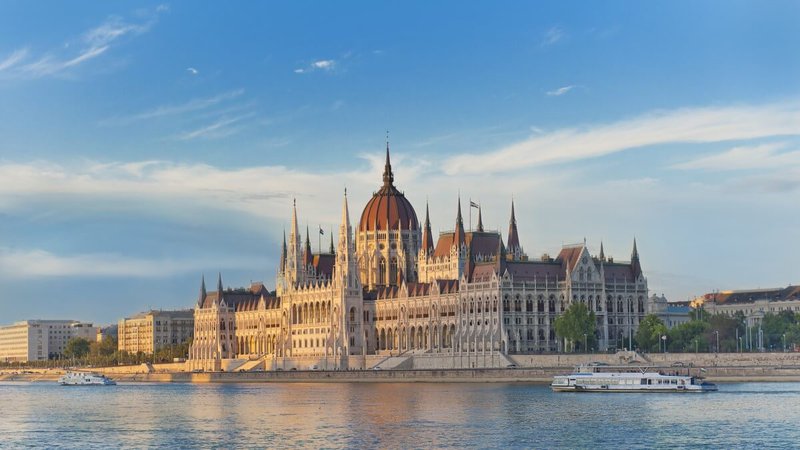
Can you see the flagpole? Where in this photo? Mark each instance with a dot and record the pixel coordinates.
(319, 239)
(470, 214)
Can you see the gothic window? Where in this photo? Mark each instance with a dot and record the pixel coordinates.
(382, 271)
(393, 271)
(352, 314)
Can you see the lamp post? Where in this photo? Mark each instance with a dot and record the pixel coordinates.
(784, 342)
(664, 340)
(716, 332)
(586, 346)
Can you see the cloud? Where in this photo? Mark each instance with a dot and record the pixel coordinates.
(560, 91)
(193, 105)
(687, 125)
(552, 35)
(192, 70)
(13, 59)
(37, 263)
(225, 126)
(326, 65)
(764, 156)
(93, 43)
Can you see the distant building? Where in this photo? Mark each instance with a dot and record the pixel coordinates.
(670, 313)
(152, 330)
(110, 331)
(390, 287)
(753, 303)
(38, 340)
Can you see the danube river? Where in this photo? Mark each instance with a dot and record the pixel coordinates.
(411, 415)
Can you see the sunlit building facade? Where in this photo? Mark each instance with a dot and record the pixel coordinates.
(390, 287)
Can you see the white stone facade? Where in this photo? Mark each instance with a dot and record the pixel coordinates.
(387, 290)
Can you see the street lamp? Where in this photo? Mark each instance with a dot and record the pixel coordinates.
(586, 346)
(716, 332)
(664, 339)
(784, 342)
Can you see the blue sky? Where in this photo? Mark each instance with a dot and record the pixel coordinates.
(143, 144)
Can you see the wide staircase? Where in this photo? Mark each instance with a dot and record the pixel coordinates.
(252, 365)
(401, 361)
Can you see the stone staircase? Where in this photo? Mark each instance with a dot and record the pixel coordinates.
(252, 365)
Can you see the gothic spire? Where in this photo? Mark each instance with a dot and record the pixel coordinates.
(332, 249)
(307, 252)
(513, 235)
(634, 253)
(202, 297)
(388, 176)
(219, 287)
(459, 237)
(283, 252)
(602, 253)
(427, 236)
(480, 220)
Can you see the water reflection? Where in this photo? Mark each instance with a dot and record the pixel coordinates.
(413, 415)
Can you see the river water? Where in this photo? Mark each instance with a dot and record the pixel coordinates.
(410, 415)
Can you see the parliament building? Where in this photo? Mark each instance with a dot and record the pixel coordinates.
(390, 290)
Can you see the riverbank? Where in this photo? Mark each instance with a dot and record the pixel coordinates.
(509, 375)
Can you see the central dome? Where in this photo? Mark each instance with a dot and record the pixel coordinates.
(388, 209)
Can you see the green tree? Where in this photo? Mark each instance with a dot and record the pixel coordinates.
(688, 337)
(76, 348)
(648, 336)
(576, 325)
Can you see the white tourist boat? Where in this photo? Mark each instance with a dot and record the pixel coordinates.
(85, 379)
(607, 379)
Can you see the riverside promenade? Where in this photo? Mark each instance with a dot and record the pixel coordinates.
(722, 367)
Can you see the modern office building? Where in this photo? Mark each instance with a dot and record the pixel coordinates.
(37, 340)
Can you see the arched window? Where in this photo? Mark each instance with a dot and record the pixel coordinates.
(392, 271)
(382, 271)
(352, 314)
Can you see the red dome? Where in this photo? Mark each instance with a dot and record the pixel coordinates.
(388, 209)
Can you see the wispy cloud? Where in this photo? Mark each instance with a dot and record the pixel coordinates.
(560, 91)
(192, 71)
(224, 126)
(13, 59)
(93, 43)
(326, 65)
(197, 104)
(552, 35)
(689, 125)
(764, 156)
(37, 263)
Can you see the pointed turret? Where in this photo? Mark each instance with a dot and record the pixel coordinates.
(294, 253)
(459, 237)
(636, 266)
(388, 176)
(602, 253)
(219, 287)
(427, 236)
(202, 296)
(513, 246)
(307, 255)
(283, 253)
(332, 249)
(346, 264)
(480, 220)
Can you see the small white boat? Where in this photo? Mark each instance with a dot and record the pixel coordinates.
(606, 379)
(85, 379)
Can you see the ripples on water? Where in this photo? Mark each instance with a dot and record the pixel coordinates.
(413, 415)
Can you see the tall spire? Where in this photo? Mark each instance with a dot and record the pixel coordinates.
(283, 252)
(307, 257)
(635, 252)
(332, 249)
(219, 287)
(346, 264)
(202, 297)
(427, 236)
(480, 220)
(513, 235)
(459, 237)
(636, 266)
(602, 253)
(388, 176)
